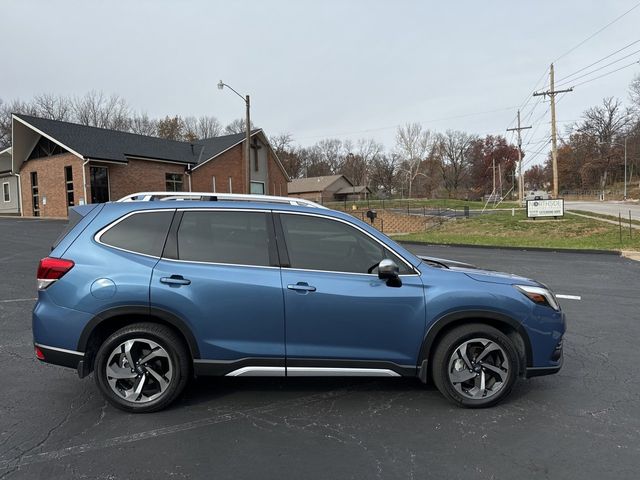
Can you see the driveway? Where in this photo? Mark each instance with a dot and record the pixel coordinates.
(581, 423)
(607, 208)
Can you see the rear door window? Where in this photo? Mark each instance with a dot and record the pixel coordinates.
(141, 232)
(238, 238)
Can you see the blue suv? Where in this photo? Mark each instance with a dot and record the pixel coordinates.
(153, 290)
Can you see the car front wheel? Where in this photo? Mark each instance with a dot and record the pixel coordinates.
(142, 367)
(475, 365)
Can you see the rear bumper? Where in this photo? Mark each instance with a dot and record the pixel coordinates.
(60, 356)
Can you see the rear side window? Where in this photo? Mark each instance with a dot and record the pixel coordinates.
(143, 232)
(239, 238)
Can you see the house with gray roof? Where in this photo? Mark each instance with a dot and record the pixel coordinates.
(62, 164)
(329, 188)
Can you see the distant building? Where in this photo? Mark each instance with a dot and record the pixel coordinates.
(9, 196)
(329, 188)
(64, 164)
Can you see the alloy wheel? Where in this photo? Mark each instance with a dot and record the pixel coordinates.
(139, 370)
(478, 368)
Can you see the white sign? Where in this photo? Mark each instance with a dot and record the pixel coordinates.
(545, 208)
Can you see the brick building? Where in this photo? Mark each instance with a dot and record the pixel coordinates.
(63, 164)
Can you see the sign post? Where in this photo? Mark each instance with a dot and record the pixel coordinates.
(545, 208)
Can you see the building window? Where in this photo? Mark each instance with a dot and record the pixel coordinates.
(6, 195)
(173, 182)
(213, 182)
(257, 188)
(99, 182)
(230, 186)
(45, 148)
(35, 195)
(68, 180)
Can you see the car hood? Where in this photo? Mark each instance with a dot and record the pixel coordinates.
(475, 273)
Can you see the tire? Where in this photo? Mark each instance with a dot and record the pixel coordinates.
(151, 385)
(466, 355)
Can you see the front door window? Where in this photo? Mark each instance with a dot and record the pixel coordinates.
(99, 181)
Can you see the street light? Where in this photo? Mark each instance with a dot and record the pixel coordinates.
(221, 86)
(624, 195)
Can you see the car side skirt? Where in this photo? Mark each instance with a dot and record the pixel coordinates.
(299, 367)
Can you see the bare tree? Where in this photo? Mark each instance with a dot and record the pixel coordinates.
(331, 154)
(382, 174)
(289, 155)
(413, 145)
(453, 153)
(314, 163)
(634, 92)
(604, 124)
(6, 109)
(201, 127)
(357, 164)
(55, 107)
(141, 124)
(95, 109)
(237, 126)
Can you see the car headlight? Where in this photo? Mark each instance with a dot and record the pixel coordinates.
(539, 295)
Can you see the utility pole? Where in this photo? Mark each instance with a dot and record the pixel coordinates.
(520, 179)
(493, 192)
(551, 93)
(248, 147)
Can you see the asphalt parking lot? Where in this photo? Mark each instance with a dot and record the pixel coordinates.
(582, 423)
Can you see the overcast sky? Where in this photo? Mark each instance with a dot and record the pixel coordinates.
(316, 69)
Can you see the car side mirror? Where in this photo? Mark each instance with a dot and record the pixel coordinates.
(388, 270)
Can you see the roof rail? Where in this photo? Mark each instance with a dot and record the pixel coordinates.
(221, 197)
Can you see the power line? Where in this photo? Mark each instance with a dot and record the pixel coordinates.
(608, 73)
(598, 69)
(596, 33)
(598, 61)
(398, 125)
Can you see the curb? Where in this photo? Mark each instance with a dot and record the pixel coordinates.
(492, 247)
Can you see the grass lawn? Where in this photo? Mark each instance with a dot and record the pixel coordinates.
(502, 229)
(419, 202)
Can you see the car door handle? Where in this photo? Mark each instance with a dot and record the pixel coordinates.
(175, 280)
(301, 287)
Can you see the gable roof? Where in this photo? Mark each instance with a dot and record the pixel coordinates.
(104, 144)
(313, 184)
(113, 145)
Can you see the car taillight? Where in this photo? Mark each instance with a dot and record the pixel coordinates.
(52, 269)
(39, 354)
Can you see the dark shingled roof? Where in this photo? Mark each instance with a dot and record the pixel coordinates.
(104, 144)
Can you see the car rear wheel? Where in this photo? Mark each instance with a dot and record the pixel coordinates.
(142, 367)
(475, 366)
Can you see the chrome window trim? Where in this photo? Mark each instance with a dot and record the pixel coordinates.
(219, 264)
(98, 236)
(61, 350)
(407, 263)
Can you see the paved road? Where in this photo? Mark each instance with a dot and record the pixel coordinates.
(582, 423)
(607, 208)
